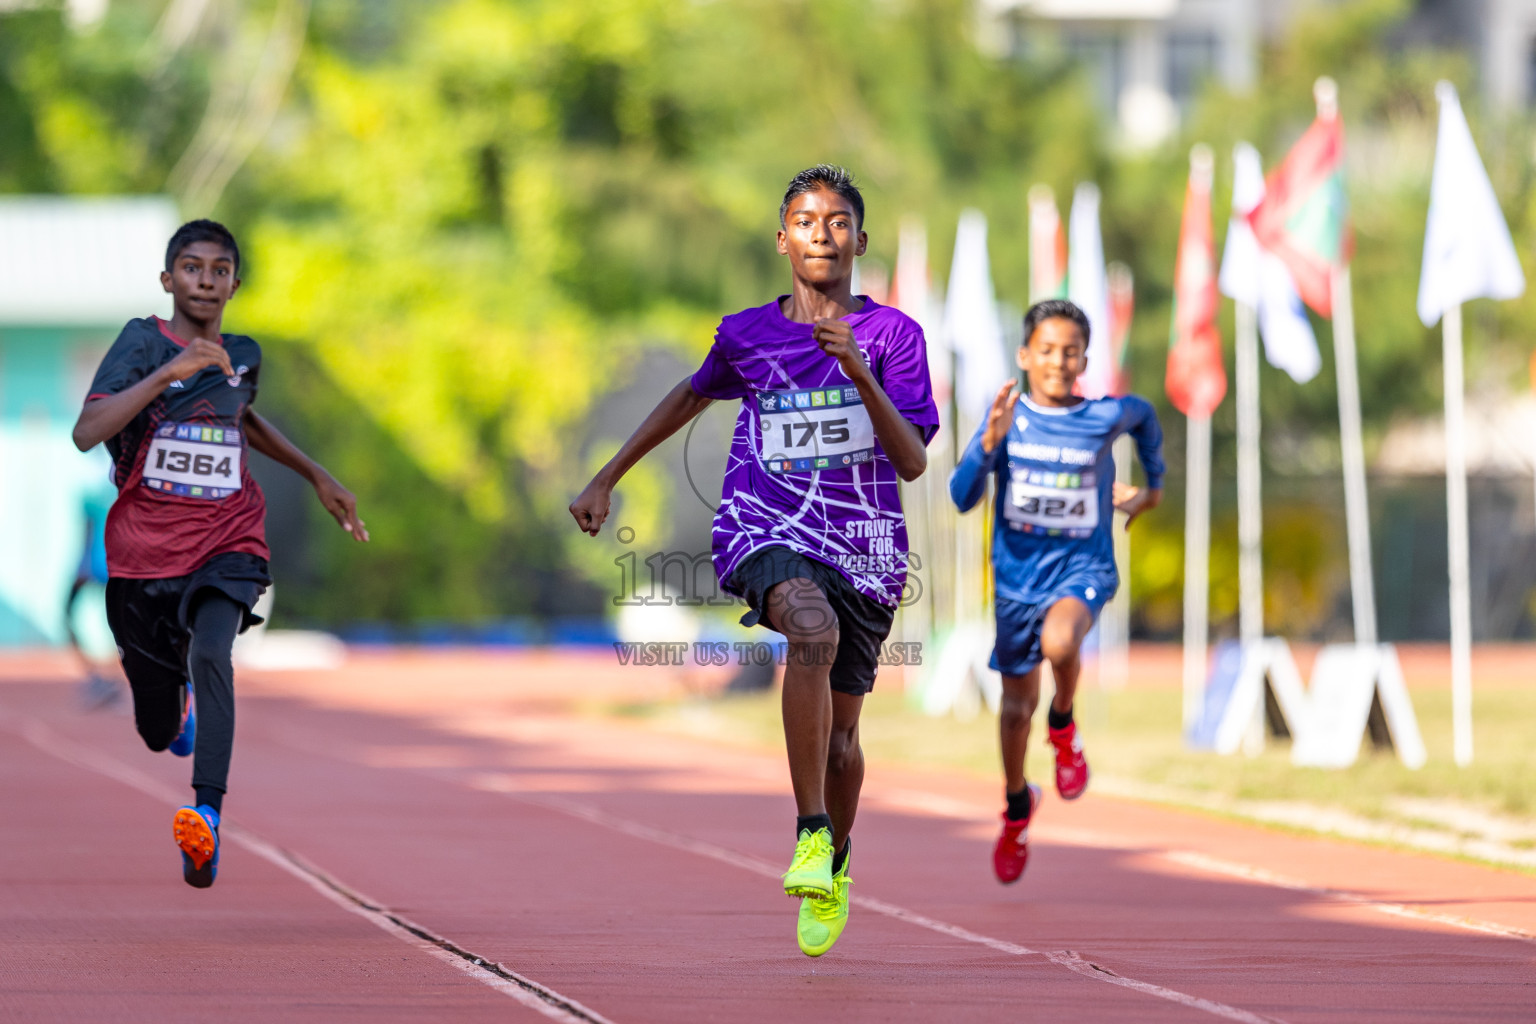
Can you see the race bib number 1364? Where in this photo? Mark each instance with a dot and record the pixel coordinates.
(194, 461)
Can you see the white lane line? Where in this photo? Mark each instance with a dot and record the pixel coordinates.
(914, 800)
(1068, 959)
(1233, 869)
(503, 979)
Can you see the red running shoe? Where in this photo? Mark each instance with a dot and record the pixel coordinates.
(1012, 850)
(1071, 767)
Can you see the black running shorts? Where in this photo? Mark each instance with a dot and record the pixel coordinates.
(862, 622)
(151, 617)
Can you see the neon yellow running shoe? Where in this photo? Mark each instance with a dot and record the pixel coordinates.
(810, 873)
(822, 921)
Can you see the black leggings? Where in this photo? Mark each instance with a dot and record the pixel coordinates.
(214, 620)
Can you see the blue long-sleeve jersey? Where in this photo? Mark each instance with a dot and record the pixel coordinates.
(1055, 505)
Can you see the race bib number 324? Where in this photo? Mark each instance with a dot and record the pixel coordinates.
(813, 429)
(1053, 503)
(194, 461)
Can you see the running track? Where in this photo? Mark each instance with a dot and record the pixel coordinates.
(397, 821)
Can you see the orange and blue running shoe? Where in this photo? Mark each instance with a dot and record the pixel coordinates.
(1012, 850)
(197, 833)
(1071, 766)
(186, 739)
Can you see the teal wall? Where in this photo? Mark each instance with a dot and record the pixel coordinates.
(44, 372)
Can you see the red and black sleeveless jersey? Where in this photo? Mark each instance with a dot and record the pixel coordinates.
(185, 492)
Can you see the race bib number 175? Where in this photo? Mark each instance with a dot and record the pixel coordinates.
(194, 461)
(812, 429)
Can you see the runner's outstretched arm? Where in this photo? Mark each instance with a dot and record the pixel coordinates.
(682, 404)
(107, 415)
(968, 480)
(338, 501)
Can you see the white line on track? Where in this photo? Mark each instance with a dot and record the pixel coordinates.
(1051, 833)
(504, 980)
(1233, 869)
(1068, 959)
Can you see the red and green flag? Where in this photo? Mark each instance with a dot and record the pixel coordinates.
(1304, 218)
(1196, 379)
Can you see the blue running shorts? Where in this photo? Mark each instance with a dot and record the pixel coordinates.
(1017, 650)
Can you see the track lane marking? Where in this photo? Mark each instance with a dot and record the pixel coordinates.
(914, 800)
(1217, 866)
(1066, 958)
(503, 979)
(497, 783)
(933, 804)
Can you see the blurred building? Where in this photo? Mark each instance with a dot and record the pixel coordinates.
(81, 13)
(72, 272)
(1499, 34)
(1148, 59)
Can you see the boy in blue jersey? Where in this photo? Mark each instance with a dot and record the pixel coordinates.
(1052, 553)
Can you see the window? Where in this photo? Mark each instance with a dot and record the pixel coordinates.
(1191, 60)
(1530, 71)
(1102, 59)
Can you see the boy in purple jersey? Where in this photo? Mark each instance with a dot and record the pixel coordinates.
(836, 405)
(1052, 553)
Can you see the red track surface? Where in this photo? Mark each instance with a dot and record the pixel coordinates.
(632, 873)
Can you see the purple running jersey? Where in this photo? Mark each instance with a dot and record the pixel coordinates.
(805, 469)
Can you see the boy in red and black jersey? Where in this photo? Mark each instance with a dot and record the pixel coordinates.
(186, 538)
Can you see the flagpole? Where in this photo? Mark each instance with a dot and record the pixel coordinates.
(1194, 268)
(1458, 542)
(1197, 554)
(1115, 620)
(1468, 253)
(1356, 510)
(1250, 514)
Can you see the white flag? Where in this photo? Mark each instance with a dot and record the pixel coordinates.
(1240, 258)
(1261, 280)
(1088, 288)
(913, 295)
(1468, 253)
(971, 326)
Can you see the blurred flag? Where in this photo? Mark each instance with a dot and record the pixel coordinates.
(1303, 216)
(1047, 247)
(1122, 306)
(1088, 287)
(971, 326)
(911, 292)
(1196, 380)
(1259, 279)
(1468, 253)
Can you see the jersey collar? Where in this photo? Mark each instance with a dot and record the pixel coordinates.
(777, 313)
(165, 329)
(1053, 410)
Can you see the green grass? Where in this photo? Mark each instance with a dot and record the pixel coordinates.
(1134, 735)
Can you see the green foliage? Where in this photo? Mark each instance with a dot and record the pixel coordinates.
(92, 112)
(470, 219)
(429, 558)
